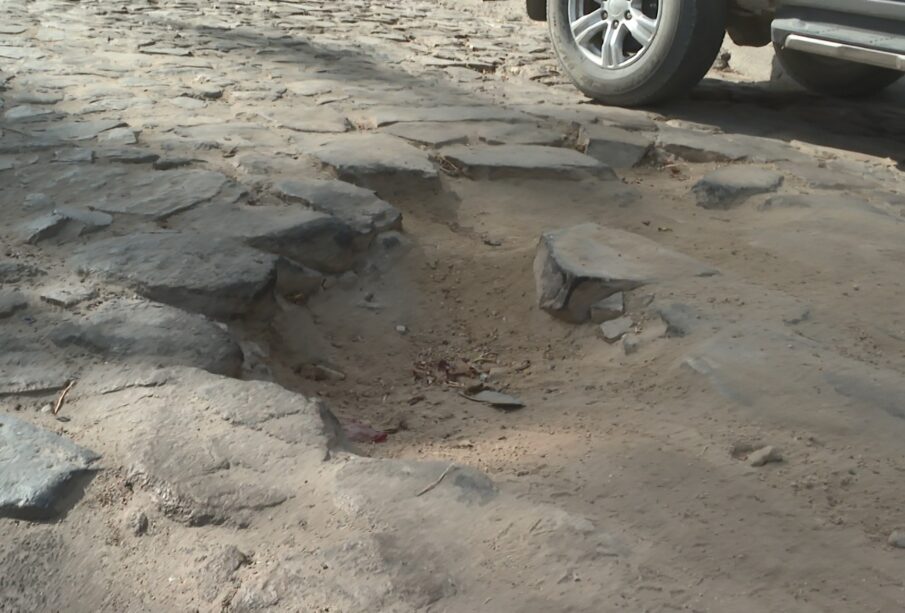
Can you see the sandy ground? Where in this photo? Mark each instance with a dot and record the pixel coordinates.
(801, 339)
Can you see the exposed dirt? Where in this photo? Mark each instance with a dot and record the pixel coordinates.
(639, 442)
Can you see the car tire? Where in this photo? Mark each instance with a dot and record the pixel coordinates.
(682, 49)
(835, 77)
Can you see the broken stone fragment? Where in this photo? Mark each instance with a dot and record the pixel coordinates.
(67, 294)
(10, 302)
(680, 319)
(897, 539)
(577, 267)
(612, 331)
(609, 308)
(730, 186)
(141, 332)
(615, 147)
(378, 161)
(523, 161)
(355, 206)
(215, 276)
(36, 466)
(764, 456)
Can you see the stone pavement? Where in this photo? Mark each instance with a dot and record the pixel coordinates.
(175, 171)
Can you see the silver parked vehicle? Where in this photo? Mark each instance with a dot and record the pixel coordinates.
(634, 52)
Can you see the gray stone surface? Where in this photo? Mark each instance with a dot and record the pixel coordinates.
(11, 301)
(219, 277)
(383, 116)
(523, 161)
(445, 133)
(577, 267)
(897, 539)
(704, 147)
(127, 155)
(160, 194)
(14, 271)
(63, 223)
(302, 119)
(306, 236)
(82, 130)
(357, 207)
(615, 147)
(609, 308)
(36, 466)
(432, 133)
(260, 437)
(40, 228)
(730, 186)
(615, 329)
(118, 136)
(377, 161)
(141, 332)
(67, 294)
(828, 176)
(680, 319)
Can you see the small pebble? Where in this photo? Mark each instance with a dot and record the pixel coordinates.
(765, 455)
(897, 539)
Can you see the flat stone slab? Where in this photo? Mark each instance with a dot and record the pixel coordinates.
(615, 147)
(13, 271)
(577, 267)
(219, 277)
(704, 147)
(445, 133)
(730, 186)
(255, 434)
(11, 301)
(523, 161)
(137, 331)
(431, 133)
(82, 130)
(355, 206)
(383, 116)
(35, 468)
(376, 160)
(67, 295)
(302, 119)
(62, 223)
(9, 162)
(160, 194)
(302, 234)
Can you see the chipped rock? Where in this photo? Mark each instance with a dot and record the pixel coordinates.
(11, 301)
(730, 186)
(897, 539)
(764, 455)
(613, 330)
(609, 308)
(35, 468)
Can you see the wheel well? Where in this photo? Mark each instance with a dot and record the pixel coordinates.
(537, 9)
(749, 20)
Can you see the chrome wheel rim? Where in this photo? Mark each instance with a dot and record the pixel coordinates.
(614, 34)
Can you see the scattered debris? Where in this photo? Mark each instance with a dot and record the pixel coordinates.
(358, 432)
(498, 400)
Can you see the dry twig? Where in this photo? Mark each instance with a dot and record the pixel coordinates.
(437, 482)
(59, 403)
